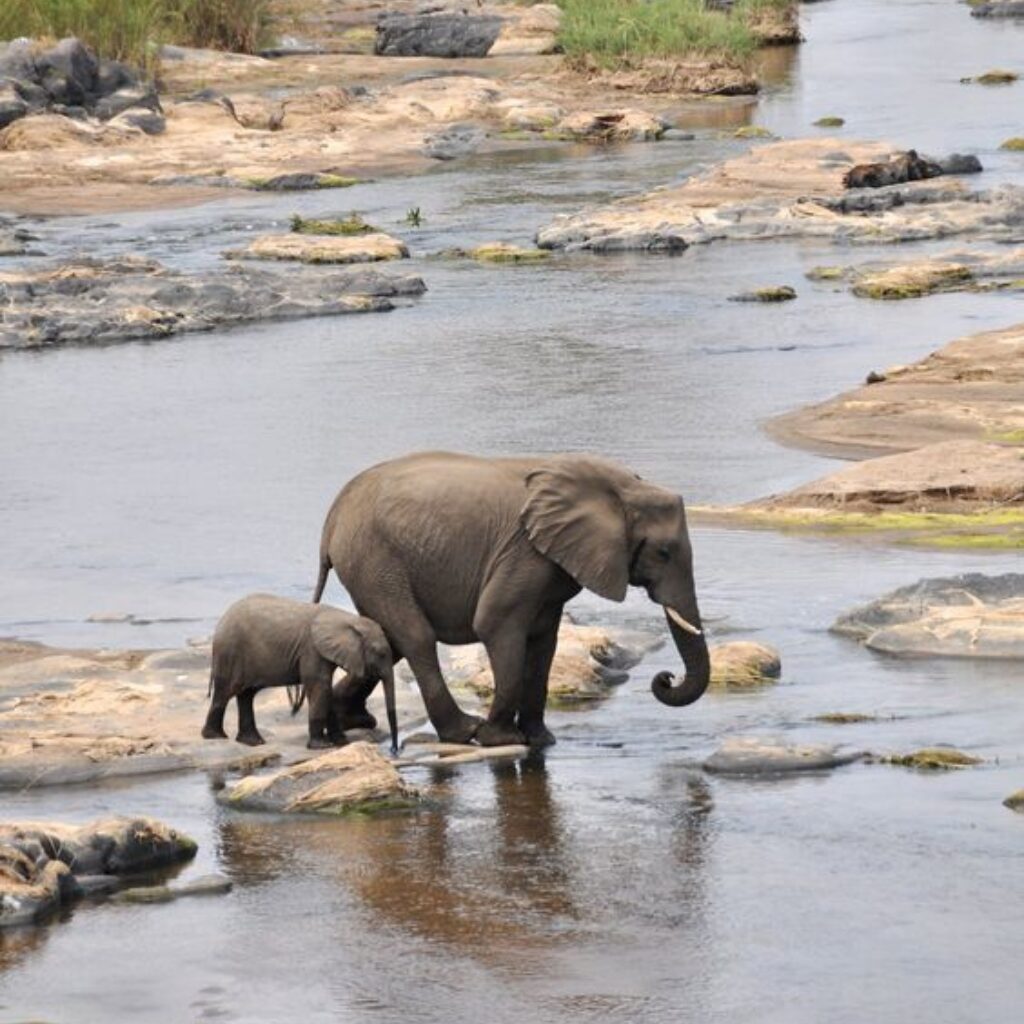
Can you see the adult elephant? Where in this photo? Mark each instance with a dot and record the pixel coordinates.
(454, 548)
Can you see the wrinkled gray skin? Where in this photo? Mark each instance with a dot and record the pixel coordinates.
(458, 549)
(263, 641)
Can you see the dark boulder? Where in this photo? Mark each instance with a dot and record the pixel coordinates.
(436, 35)
(960, 163)
(127, 98)
(69, 72)
(12, 106)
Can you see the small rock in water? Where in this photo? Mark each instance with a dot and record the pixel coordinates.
(111, 617)
(750, 756)
(505, 252)
(741, 663)
(752, 131)
(932, 759)
(205, 885)
(1015, 801)
(777, 293)
(844, 718)
(829, 122)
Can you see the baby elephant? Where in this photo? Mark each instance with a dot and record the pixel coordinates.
(263, 640)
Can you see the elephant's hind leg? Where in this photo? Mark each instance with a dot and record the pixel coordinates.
(213, 729)
(247, 731)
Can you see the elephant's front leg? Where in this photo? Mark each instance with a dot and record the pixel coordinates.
(318, 694)
(540, 651)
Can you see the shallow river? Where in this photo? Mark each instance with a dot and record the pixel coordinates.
(610, 881)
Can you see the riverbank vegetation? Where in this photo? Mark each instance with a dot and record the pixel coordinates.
(131, 30)
(615, 33)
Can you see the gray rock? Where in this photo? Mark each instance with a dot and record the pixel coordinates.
(457, 140)
(17, 61)
(12, 106)
(113, 75)
(152, 122)
(436, 35)
(205, 885)
(999, 9)
(747, 756)
(973, 615)
(101, 301)
(69, 72)
(127, 98)
(960, 163)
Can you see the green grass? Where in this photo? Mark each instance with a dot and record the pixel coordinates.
(353, 224)
(131, 30)
(622, 32)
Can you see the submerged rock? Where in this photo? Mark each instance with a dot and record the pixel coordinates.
(44, 865)
(742, 664)
(774, 293)
(969, 616)
(91, 301)
(204, 885)
(439, 34)
(505, 252)
(356, 778)
(370, 247)
(750, 756)
(913, 281)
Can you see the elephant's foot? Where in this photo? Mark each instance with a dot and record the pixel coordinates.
(251, 739)
(357, 718)
(495, 734)
(214, 732)
(462, 730)
(324, 743)
(538, 735)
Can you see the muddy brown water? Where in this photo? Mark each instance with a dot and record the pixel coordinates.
(612, 880)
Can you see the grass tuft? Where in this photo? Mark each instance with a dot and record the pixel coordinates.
(132, 30)
(617, 33)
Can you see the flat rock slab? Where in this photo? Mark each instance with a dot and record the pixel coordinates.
(784, 190)
(370, 247)
(951, 476)
(356, 778)
(972, 388)
(969, 616)
(748, 756)
(40, 862)
(91, 301)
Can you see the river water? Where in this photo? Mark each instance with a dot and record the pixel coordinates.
(610, 880)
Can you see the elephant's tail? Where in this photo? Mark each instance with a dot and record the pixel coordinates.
(297, 697)
(321, 580)
(209, 685)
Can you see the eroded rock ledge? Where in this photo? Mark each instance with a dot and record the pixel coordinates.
(789, 189)
(91, 301)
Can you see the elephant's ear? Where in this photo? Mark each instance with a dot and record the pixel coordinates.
(338, 642)
(575, 516)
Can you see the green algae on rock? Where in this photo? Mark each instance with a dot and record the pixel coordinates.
(773, 293)
(1015, 801)
(826, 274)
(997, 76)
(1015, 144)
(843, 718)
(931, 759)
(752, 131)
(353, 224)
(742, 664)
(830, 122)
(299, 182)
(913, 281)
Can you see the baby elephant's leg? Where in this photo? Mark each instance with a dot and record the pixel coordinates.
(247, 731)
(349, 703)
(213, 729)
(318, 694)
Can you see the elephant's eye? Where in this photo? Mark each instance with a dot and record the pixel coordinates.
(664, 552)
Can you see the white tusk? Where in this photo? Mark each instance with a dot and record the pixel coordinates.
(681, 622)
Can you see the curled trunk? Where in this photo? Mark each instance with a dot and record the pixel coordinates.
(693, 649)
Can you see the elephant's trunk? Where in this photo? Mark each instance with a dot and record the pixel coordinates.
(693, 649)
(388, 679)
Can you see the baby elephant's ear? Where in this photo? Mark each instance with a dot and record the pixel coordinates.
(338, 642)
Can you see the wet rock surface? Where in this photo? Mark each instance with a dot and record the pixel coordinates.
(588, 664)
(752, 756)
(741, 664)
(44, 865)
(101, 301)
(969, 616)
(970, 388)
(786, 190)
(356, 778)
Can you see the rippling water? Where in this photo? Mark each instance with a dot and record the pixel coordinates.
(610, 881)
